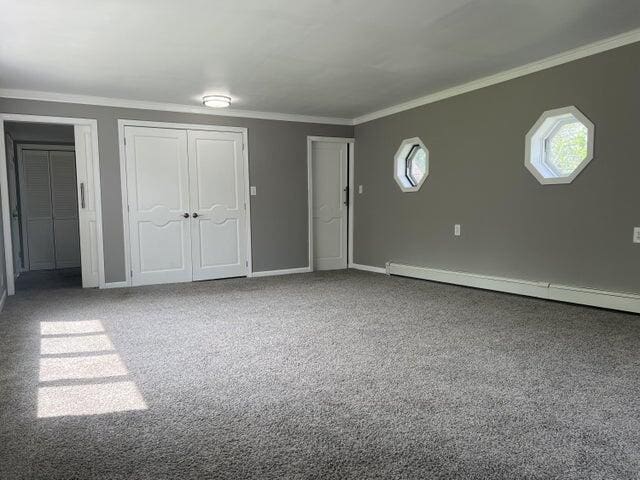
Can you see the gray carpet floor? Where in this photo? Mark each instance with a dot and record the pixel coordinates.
(337, 375)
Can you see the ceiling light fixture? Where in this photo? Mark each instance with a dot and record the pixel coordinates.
(216, 101)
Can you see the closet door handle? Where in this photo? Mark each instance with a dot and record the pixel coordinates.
(185, 215)
(82, 205)
(195, 215)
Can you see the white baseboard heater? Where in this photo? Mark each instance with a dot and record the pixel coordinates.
(584, 296)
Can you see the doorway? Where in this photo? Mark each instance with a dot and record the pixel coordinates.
(50, 202)
(330, 178)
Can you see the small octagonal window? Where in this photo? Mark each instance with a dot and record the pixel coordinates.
(411, 165)
(559, 145)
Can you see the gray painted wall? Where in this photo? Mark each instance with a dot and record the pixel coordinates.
(22, 132)
(277, 167)
(578, 234)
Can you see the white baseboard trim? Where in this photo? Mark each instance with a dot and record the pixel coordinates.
(3, 299)
(367, 268)
(122, 284)
(595, 298)
(563, 293)
(286, 271)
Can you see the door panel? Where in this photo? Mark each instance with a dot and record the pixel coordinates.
(218, 236)
(329, 176)
(158, 192)
(86, 206)
(67, 243)
(38, 211)
(41, 246)
(65, 208)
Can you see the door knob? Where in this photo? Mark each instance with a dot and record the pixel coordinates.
(195, 215)
(185, 215)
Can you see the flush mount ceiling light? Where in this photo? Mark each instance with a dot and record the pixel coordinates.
(216, 101)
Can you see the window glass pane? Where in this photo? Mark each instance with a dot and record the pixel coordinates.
(567, 148)
(416, 164)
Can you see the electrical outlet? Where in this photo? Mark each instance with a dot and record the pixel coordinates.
(252, 189)
(636, 235)
(359, 188)
(456, 229)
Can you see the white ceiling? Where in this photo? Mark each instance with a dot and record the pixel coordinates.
(339, 58)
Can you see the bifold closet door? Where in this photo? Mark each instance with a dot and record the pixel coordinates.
(159, 213)
(218, 227)
(38, 211)
(65, 208)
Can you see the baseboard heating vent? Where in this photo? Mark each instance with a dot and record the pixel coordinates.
(563, 293)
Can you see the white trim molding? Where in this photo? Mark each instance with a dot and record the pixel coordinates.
(286, 271)
(563, 293)
(166, 107)
(533, 67)
(367, 268)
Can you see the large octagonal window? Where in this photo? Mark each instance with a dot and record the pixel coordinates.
(411, 164)
(559, 145)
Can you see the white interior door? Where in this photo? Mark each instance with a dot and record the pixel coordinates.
(218, 227)
(64, 197)
(329, 161)
(158, 196)
(86, 203)
(37, 209)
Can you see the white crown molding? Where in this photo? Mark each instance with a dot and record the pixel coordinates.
(600, 46)
(549, 62)
(166, 107)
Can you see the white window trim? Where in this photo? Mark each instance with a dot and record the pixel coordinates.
(400, 161)
(534, 156)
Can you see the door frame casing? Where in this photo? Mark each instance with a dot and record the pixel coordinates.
(350, 173)
(4, 186)
(122, 123)
(20, 148)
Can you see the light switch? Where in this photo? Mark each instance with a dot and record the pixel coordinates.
(252, 189)
(359, 188)
(636, 235)
(456, 229)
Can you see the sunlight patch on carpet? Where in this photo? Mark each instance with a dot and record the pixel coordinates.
(91, 399)
(76, 344)
(73, 357)
(94, 366)
(70, 328)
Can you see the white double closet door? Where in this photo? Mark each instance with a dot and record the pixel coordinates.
(186, 202)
